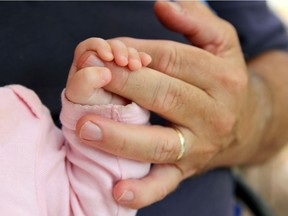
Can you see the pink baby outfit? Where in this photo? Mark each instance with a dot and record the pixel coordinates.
(47, 172)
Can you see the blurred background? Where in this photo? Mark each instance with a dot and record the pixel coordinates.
(270, 179)
(281, 8)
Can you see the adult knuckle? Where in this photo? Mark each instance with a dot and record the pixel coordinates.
(234, 82)
(169, 58)
(230, 29)
(164, 150)
(223, 124)
(172, 99)
(167, 97)
(241, 82)
(226, 125)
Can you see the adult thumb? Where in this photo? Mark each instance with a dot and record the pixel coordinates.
(198, 23)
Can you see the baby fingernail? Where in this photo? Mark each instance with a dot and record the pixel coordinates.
(126, 196)
(90, 131)
(93, 60)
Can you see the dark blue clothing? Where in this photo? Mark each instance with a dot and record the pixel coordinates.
(207, 195)
(257, 27)
(37, 41)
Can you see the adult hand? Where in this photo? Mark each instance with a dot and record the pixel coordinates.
(203, 90)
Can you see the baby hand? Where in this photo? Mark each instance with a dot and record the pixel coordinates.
(88, 73)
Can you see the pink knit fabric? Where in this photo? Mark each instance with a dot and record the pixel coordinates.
(44, 171)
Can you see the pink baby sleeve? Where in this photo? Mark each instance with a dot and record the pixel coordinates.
(33, 180)
(92, 172)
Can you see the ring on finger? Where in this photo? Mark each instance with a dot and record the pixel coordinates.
(182, 144)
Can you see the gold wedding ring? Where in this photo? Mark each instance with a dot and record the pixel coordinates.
(182, 144)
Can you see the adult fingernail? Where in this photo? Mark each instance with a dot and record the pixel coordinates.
(126, 196)
(175, 6)
(93, 60)
(90, 131)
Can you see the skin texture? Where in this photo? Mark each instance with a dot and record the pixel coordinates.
(230, 112)
(84, 84)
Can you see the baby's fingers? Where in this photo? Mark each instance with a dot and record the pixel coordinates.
(120, 52)
(137, 59)
(145, 58)
(134, 59)
(128, 56)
